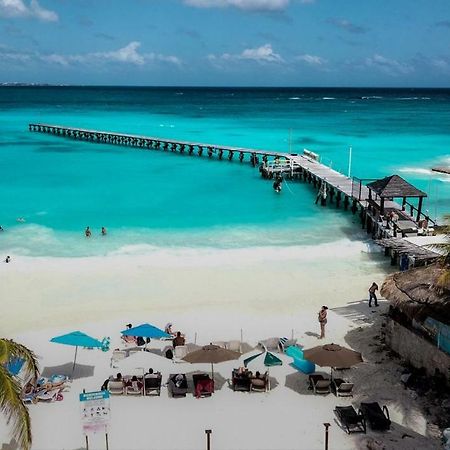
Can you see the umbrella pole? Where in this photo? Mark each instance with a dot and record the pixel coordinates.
(212, 371)
(74, 360)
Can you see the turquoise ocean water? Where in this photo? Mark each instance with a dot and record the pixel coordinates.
(152, 199)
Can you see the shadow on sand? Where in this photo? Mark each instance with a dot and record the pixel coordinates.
(81, 371)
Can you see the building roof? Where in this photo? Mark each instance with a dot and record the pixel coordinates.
(395, 186)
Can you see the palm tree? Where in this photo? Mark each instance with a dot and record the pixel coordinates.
(11, 404)
(443, 283)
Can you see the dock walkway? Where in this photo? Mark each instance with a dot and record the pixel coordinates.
(332, 186)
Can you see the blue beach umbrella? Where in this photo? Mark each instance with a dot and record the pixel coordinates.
(77, 339)
(146, 331)
(14, 365)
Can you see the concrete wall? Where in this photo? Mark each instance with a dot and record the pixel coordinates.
(416, 350)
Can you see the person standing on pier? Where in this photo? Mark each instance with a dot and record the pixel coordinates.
(372, 294)
(322, 321)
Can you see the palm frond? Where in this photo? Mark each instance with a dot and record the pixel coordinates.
(10, 349)
(12, 406)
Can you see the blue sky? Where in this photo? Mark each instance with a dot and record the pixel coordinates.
(226, 42)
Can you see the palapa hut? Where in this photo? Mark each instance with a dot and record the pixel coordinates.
(392, 187)
(419, 325)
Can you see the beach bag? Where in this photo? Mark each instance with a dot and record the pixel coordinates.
(169, 354)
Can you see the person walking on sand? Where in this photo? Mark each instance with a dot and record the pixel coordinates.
(323, 321)
(87, 232)
(372, 294)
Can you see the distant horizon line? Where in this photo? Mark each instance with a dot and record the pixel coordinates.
(35, 84)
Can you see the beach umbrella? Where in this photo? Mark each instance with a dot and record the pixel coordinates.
(270, 360)
(212, 354)
(146, 331)
(77, 339)
(332, 355)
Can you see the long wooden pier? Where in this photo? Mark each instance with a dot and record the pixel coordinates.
(292, 165)
(333, 187)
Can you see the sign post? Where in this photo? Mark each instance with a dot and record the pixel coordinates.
(95, 414)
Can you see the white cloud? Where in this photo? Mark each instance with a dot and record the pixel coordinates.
(247, 5)
(312, 60)
(263, 54)
(250, 5)
(41, 13)
(388, 66)
(127, 55)
(17, 8)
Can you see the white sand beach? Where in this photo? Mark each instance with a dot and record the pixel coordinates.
(210, 296)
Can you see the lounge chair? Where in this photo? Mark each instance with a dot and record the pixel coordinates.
(152, 384)
(377, 417)
(341, 388)
(203, 385)
(179, 352)
(116, 387)
(322, 387)
(260, 384)
(350, 419)
(319, 384)
(240, 381)
(136, 388)
(51, 395)
(178, 388)
(284, 343)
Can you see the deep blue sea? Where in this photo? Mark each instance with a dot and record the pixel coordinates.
(152, 199)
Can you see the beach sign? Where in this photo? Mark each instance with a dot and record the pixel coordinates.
(95, 411)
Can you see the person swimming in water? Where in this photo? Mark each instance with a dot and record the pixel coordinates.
(104, 232)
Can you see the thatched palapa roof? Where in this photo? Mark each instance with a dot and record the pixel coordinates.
(415, 293)
(395, 187)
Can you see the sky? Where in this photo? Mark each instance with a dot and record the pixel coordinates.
(398, 43)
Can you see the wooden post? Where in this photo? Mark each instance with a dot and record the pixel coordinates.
(338, 199)
(404, 203)
(208, 439)
(381, 205)
(346, 202)
(326, 425)
(419, 209)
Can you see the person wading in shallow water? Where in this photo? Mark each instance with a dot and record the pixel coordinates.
(87, 232)
(323, 321)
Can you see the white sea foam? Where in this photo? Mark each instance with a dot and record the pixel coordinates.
(328, 98)
(416, 170)
(413, 98)
(294, 98)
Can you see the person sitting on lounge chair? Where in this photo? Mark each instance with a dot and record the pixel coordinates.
(179, 340)
(151, 374)
(134, 383)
